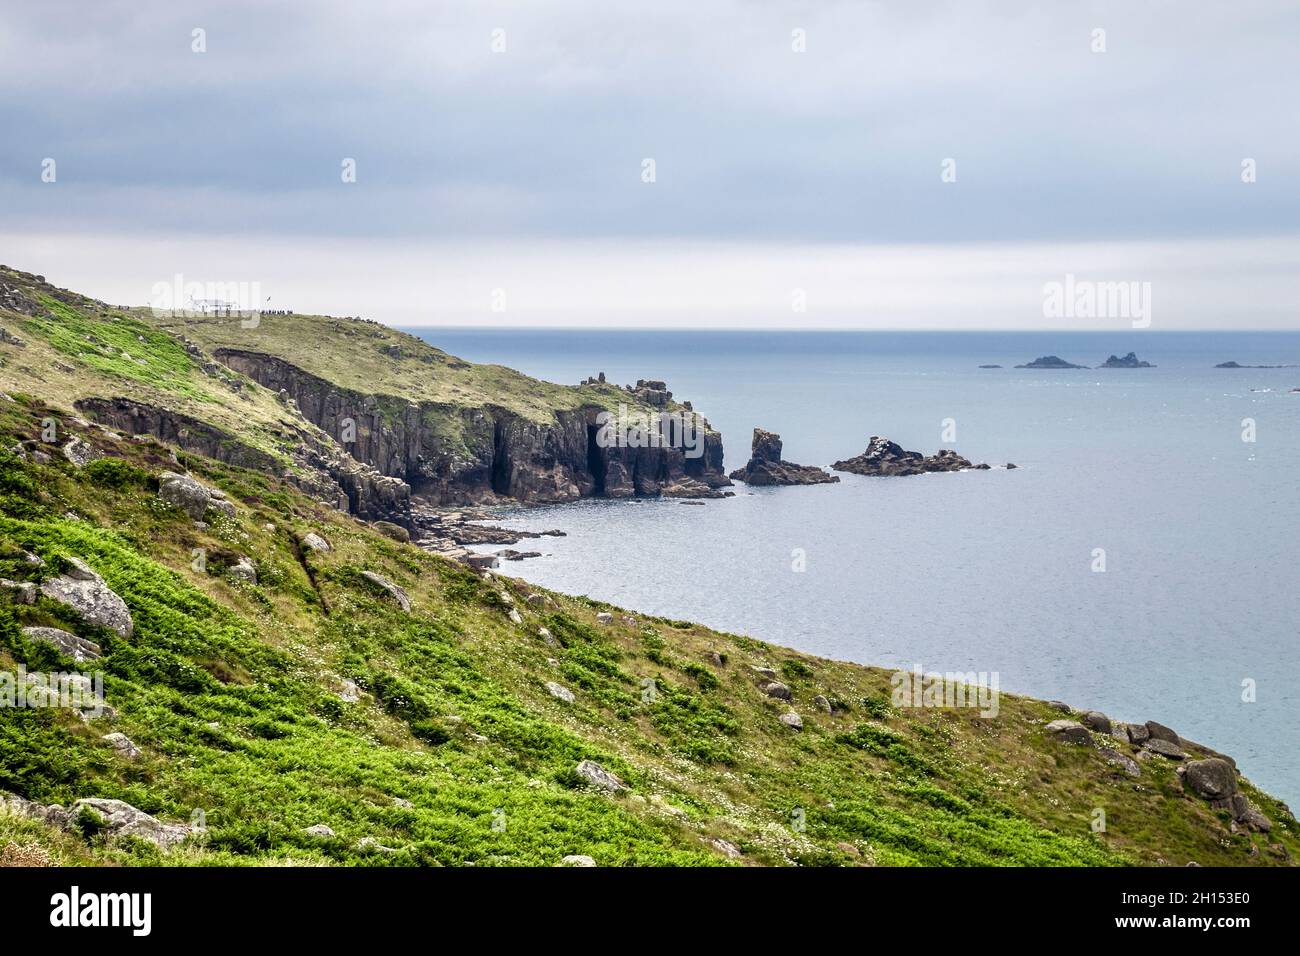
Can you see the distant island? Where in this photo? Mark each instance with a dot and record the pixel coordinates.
(1235, 365)
(1050, 361)
(1128, 361)
(990, 366)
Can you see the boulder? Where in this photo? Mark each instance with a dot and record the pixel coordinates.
(20, 592)
(319, 830)
(604, 617)
(726, 848)
(184, 492)
(80, 452)
(1158, 745)
(120, 819)
(1097, 721)
(1069, 731)
(1243, 811)
(394, 531)
(371, 845)
(1137, 734)
(598, 776)
(777, 690)
(1161, 732)
(124, 745)
(559, 691)
(396, 593)
(576, 859)
(244, 571)
(822, 703)
(515, 616)
(1123, 761)
(350, 693)
(311, 541)
(1059, 705)
(536, 599)
(1211, 779)
(85, 592)
(792, 720)
(69, 645)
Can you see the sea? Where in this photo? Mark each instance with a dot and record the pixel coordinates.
(1143, 559)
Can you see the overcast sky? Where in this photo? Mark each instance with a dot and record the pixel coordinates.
(515, 177)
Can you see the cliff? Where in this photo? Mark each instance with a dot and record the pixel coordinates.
(366, 418)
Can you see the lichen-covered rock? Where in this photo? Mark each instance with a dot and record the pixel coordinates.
(318, 830)
(394, 531)
(124, 745)
(1123, 761)
(396, 593)
(120, 819)
(792, 720)
(1069, 731)
(69, 645)
(80, 452)
(184, 492)
(560, 692)
(1161, 732)
(1161, 746)
(777, 690)
(577, 859)
(311, 541)
(1096, 720)
(244, 570)
(598, 776)
(1211, 779)
(94, 602)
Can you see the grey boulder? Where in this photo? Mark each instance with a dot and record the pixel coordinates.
(85, 592)
(69, 645)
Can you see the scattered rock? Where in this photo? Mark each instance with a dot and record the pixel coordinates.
(80, 452)
(1158, 745)
(1161, 732)
(536, 599)
(1070, 731)
(1060, 705)
(727, 849)
(311, 541)
(598, 776)
(1123, 761)
(20, 592)
(394, 531)
(1097, 721)
(120, 819)
(823, 703)
(792, 720)
(778, 690)
(371, 845)
(547, 637)
(184, 492)
(244, 571)
(515, 616)
(395, 592)
(577, 859)
(85, 592)
(1211, 779)
(1137, 734)
(350, 693)
(403, 803)
(319, 830)
(123, 745)
(559, 691)
(604, 617)
(69, 645)
(1243, 811)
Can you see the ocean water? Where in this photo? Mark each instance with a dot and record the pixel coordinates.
(983, 570)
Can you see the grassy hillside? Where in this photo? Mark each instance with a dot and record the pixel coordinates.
(233, 693)
(430, 736)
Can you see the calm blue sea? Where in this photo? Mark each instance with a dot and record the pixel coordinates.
(977, 571)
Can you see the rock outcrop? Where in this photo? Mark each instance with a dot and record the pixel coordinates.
(766, 467)
(1128, 361)
(884, 457)
(69, 645)
(1050, 361)
(94, 602)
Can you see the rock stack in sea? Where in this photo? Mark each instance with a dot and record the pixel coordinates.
(765, 466)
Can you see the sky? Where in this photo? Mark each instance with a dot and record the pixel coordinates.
(818, 164)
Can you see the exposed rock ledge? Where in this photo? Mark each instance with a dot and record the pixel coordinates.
(765, 466)
(884, 457)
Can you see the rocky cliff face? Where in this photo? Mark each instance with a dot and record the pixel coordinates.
(451, 455)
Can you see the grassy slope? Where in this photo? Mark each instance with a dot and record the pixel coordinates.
(455, 716)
